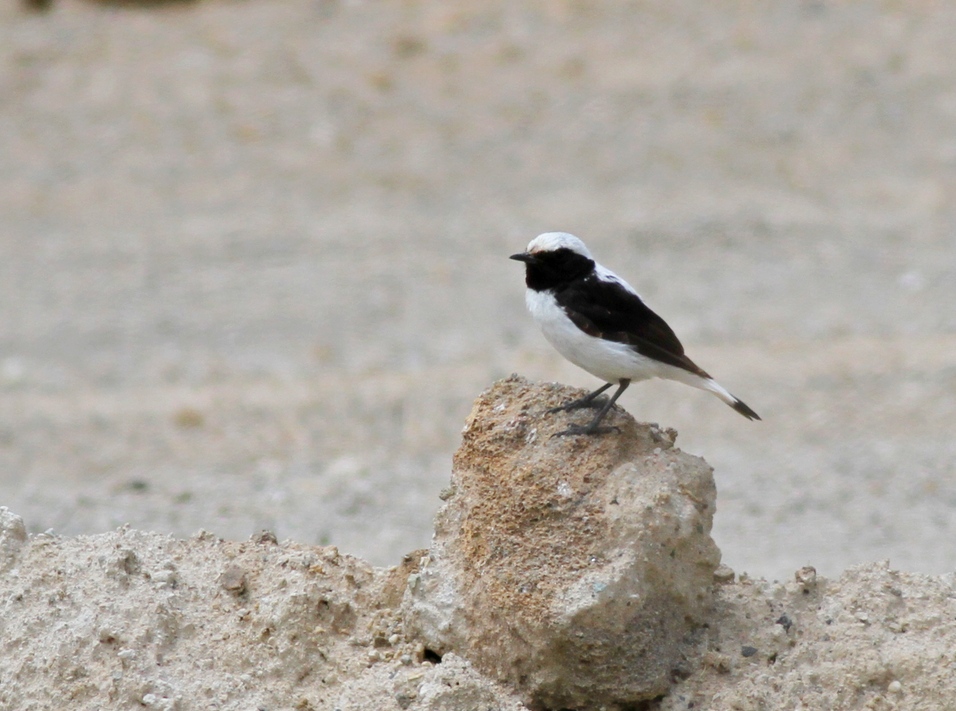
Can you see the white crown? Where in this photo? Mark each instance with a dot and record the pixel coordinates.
(551, 241)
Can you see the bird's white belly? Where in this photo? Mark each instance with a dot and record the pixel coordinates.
(607, 360)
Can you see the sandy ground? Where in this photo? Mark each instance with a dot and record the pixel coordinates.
(253, 264)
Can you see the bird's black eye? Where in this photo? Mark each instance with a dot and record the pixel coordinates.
(557, 267)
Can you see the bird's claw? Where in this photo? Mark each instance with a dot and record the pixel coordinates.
(593, 404)
(586, 430)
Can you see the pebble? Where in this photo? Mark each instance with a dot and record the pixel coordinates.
(724, 574)
(233, 579)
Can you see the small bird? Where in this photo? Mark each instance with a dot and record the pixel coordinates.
(600, 323)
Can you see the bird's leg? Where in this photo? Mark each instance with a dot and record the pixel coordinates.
(586, 401)
(593, 427)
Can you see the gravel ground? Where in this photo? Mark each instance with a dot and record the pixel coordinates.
(254, 257)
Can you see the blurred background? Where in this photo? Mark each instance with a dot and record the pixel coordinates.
(254, 256)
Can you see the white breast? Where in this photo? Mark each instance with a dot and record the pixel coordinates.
(605, 359)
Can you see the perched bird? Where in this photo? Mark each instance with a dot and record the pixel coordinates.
(599, 322)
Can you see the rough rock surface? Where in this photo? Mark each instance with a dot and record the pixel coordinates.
(574, 569)
(131, 619)
(452, 685)
(875, 639)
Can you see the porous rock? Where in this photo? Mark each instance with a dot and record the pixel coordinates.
(575, 569)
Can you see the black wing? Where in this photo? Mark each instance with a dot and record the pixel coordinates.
(608, 310)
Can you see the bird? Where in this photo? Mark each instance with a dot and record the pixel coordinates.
(599, 322)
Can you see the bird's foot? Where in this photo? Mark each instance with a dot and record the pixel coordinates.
(586, 430)
(594, 403)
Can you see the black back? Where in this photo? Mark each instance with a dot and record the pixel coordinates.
(605, 309)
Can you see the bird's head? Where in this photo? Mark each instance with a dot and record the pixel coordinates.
(554, 258)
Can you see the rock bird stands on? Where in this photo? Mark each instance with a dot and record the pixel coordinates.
(599, 322)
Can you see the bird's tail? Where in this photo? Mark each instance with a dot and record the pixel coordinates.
(711, 385)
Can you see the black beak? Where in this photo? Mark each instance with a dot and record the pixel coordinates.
(522, 257)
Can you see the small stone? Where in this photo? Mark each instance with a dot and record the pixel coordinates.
(265, 537)
(13, 534)
(724, 574)
(806, 577)
(784, 622)
(123, 564)
(718, 662)
(748, 651)
(895, 687)
(233, 579)
(446, 493)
